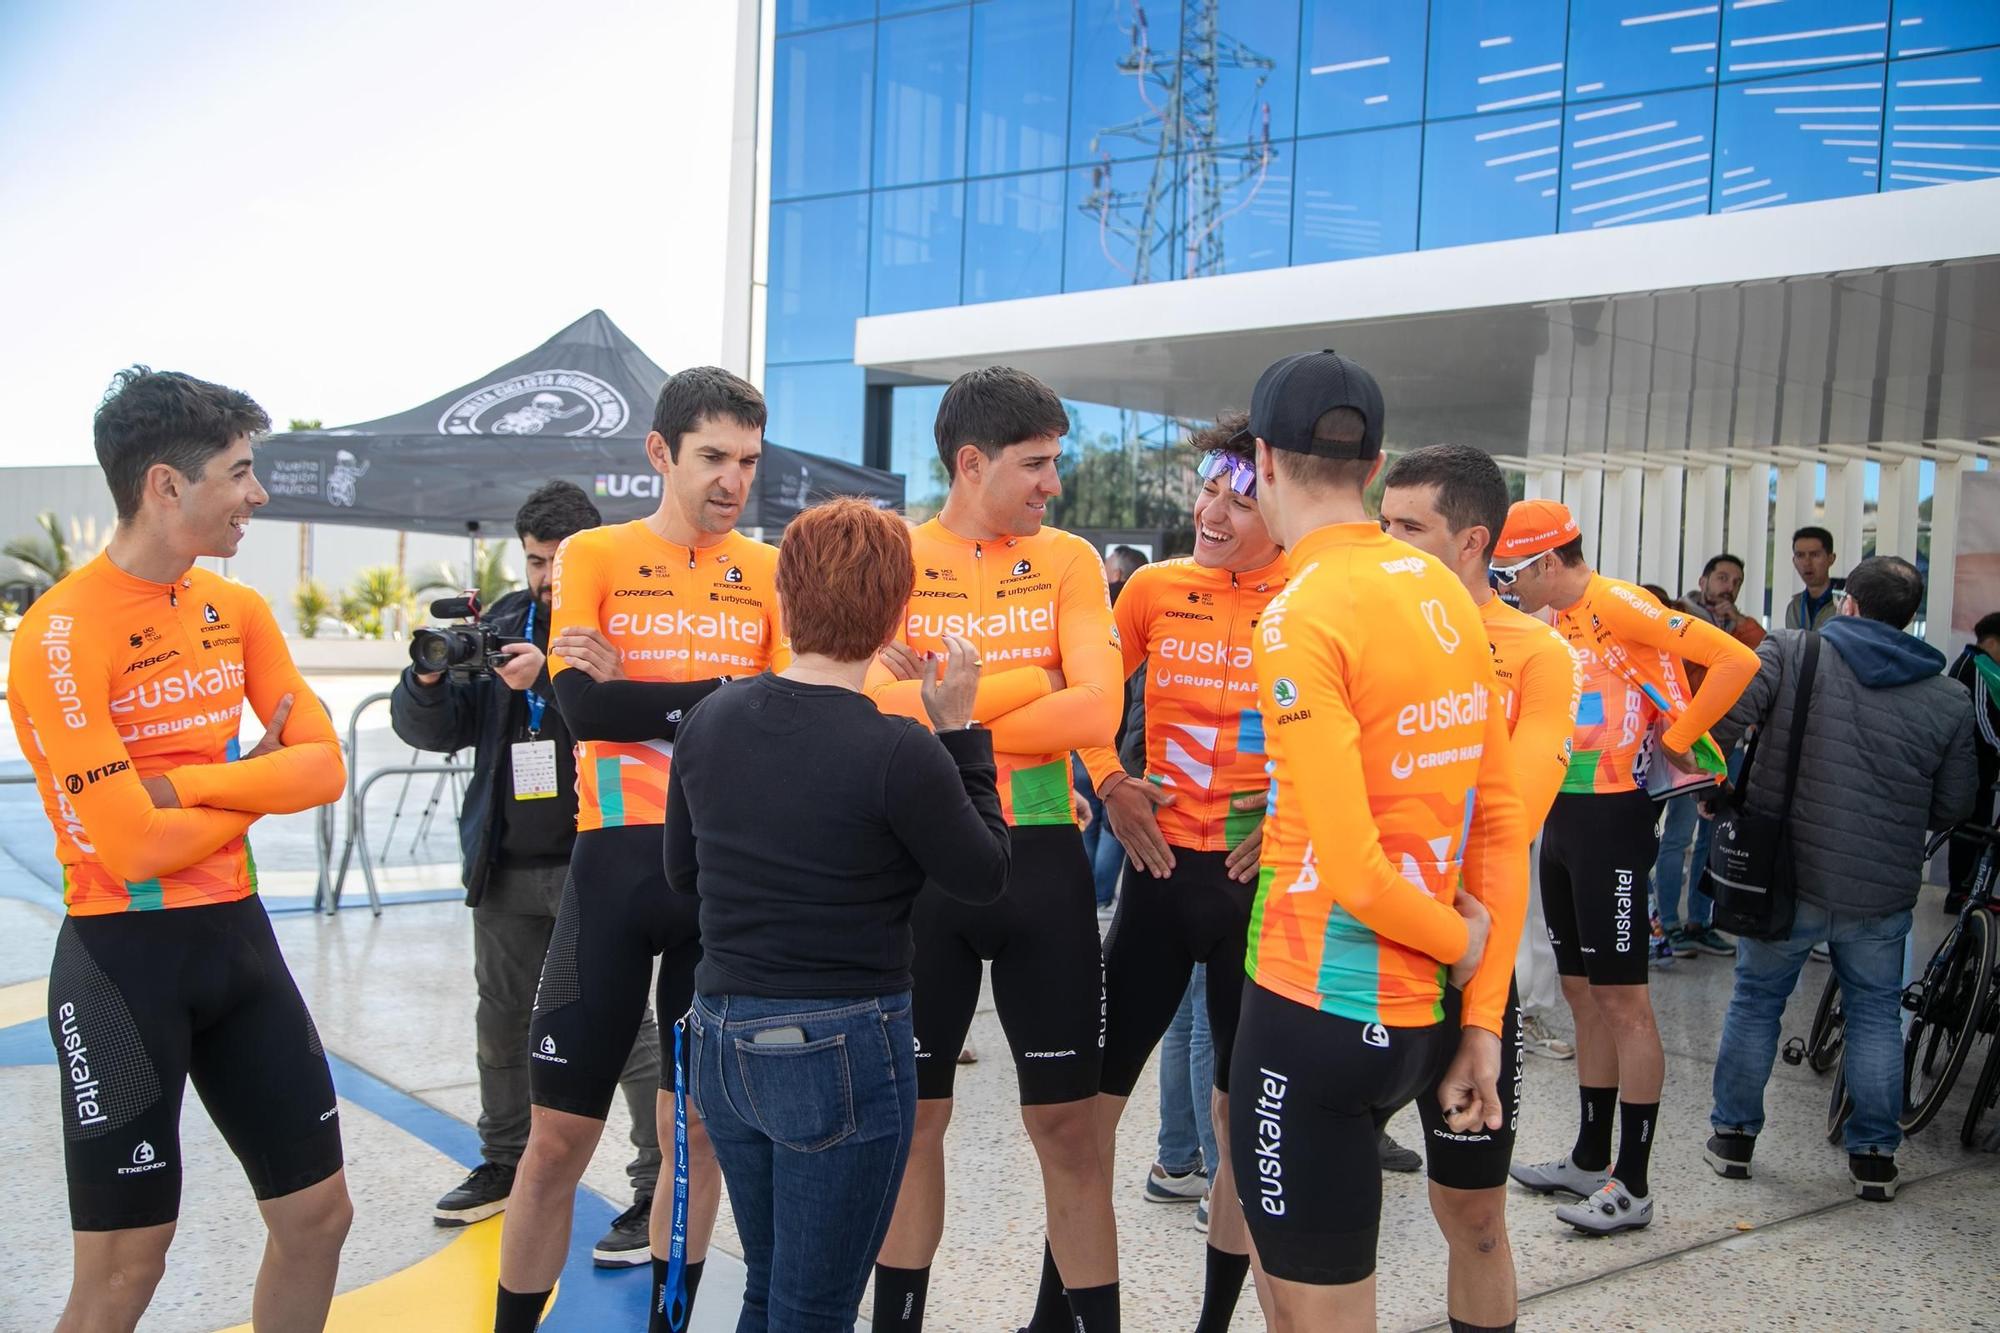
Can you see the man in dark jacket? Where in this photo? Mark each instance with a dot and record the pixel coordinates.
(1978, 670)
(516, 827)
(1887, 755)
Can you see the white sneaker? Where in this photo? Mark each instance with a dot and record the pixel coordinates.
(1564, 1175)
(1164, 1188)
(1537, 1038)
(1610, 1210)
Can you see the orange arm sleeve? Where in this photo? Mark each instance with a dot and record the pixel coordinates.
(132, 838)
(1731, 666)
(1496, 873)
(1324, 750)
(1086, 710)
(576, 591)
(1551, 688)
(781, 646)
(306, 772)
(1130, 616)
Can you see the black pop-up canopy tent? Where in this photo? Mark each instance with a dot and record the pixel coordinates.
(579, 407)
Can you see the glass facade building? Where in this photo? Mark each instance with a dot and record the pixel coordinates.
(926, 155)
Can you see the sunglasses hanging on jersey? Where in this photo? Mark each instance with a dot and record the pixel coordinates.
(1242, 476)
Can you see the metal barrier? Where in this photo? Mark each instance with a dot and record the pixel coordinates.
(332, 881)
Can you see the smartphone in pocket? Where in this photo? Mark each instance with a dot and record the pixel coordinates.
(787, 1036)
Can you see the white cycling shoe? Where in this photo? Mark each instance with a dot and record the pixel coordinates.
(1611, 1209)
(1561, 1175)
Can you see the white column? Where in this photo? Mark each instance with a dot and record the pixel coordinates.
(1621, 555)
(1750, 528)
(1660, 542)
(1583, 492)
(1849, 509)
(1895, 513)
(1703, 532)
(1542, 483)
(1794, 503)
(1944, 553)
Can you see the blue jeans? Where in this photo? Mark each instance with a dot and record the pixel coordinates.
(812, 1139)
(1673, 868)
(1187, 1074)
(1868, 960)
(1107, 857)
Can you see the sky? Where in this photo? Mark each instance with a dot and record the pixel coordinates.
(345, 210)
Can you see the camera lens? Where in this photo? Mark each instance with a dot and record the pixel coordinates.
(431, 650)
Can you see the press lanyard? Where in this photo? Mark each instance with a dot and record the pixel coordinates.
(536, 703)
(672, 1298)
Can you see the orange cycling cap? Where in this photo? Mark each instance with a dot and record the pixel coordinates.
(1535, 526)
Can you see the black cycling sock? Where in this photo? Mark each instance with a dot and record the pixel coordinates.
(1635, 1145)
(1220, 1289)
(1051, 1307)
(899, 1298)
(1095, 1308)
(1460, 1326)
(1593, 1134)
(656, 1320)
(518, 1311)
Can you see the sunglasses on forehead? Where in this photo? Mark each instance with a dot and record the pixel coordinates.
(1220, 463)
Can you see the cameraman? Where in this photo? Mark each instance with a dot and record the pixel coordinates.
(516, 834)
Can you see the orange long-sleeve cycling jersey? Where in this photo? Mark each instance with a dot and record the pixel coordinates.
(1192, 629)
(1389, 780)
(1029, 605)
(114, 679)
(674, 613)
(1632, 650)
(1541, 684)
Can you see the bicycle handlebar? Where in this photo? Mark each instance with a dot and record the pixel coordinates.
(1963, 832)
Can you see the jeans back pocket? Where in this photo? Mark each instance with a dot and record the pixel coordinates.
(801, 1096)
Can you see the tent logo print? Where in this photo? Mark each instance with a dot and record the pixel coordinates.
(542, 402)
(347, 470)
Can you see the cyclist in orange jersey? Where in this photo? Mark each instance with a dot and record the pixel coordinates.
(1390, 782)
(1450, 501)
(128, 681)
(1192, 822)
(648, 618)
(1599, 841)
(1033, 601)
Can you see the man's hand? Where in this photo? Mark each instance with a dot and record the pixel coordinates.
(1469, 1094)
(524, 663)
(1680, 759)
(1081, 805)
(1245, 855)
(1725, 612)
(270, 742)
(1129, 808)
(902, 661)
(1478, 925)
(1057, 681)
(583, 648)
(162, 792)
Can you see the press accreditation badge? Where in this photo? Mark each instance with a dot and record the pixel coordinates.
(534, 770)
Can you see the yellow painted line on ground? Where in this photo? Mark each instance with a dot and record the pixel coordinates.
(24, 1000)
(450, 1292)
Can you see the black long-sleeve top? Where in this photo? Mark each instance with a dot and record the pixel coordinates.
(807, 821)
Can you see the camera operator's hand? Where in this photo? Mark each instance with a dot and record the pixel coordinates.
(951, 683)
(588, 651)
(524, 663)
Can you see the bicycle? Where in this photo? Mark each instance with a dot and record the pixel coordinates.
(1951, 1004)
(1986, 1091)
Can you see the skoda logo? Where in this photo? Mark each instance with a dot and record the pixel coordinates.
(546, 402)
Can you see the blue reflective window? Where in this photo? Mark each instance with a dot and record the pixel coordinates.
(913, 448)
(1122, 75)
(819, 112)
(818, 277)
(1924, 26)
(920, 72)
(797, 15)
(1496, 55)
(1256, 68)
(1944, 120)
(1640, 46)
(1236, 210)
(915, 248)
(1362, 65)
(1816, 135)
(911, 6)
(1020, 85)
(1356, 195)
(1014, 237)
(1490, 178)
(816, 408)
(1634, 159)
(1120, 227)
(1763, 41)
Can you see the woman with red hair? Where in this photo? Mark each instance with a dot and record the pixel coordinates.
(806, 820)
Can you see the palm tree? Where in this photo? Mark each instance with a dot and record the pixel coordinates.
(378, 593)
(311, 603)
(48, 554)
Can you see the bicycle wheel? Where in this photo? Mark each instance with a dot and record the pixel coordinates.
(1946, 1020)
(1984, 1094)
(1829, 1029)
(1839, 1105)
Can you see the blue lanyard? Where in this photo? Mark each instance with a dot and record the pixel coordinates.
(537, 705)
(673, 1297)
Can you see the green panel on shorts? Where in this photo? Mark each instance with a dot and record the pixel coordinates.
(147, 896)
(1582, 775)
(1265, 874)
(250, 864)
(1041, 794)
(1240, 824)
(611, 792)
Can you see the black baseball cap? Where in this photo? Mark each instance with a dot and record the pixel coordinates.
(1294, 393)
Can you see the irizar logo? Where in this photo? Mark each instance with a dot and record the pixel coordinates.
(1440, 624)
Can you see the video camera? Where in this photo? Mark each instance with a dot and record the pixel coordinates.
(468, 651)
